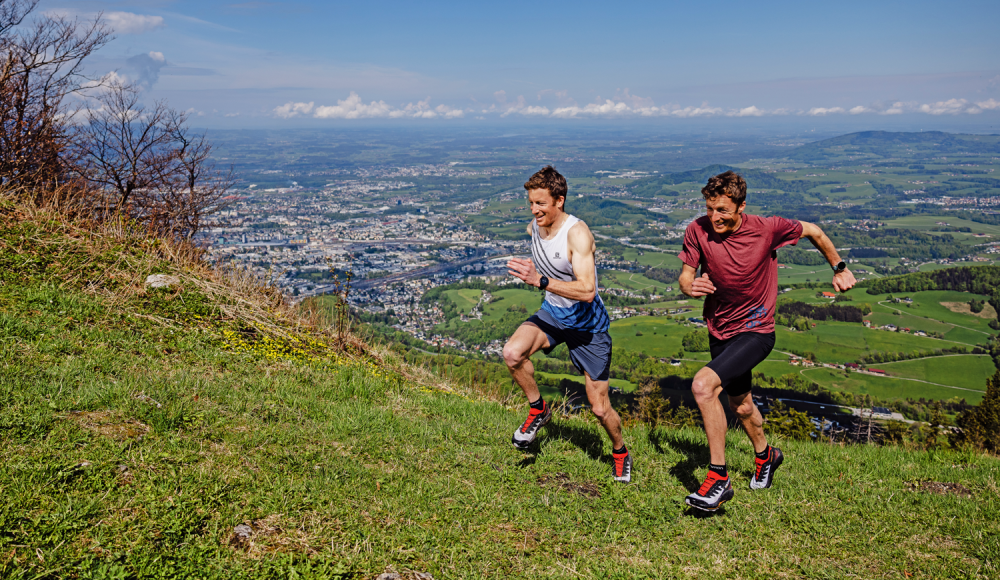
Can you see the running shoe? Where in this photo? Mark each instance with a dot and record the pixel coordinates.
(526, 433)
(764, 475)
(712, 494)
(622, 471)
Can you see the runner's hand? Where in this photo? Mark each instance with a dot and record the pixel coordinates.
(702, 286)
(524, 270)
(843, 281)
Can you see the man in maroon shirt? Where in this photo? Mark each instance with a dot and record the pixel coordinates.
(739, 280)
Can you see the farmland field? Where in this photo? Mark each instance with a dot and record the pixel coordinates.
(966, 371)
(885, 387)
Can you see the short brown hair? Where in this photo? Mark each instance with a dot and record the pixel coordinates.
(550, 179)
(729, 184)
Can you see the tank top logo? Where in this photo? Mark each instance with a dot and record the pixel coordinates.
(556, 256)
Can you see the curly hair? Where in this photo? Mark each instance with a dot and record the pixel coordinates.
(550, 179)
(729, 184)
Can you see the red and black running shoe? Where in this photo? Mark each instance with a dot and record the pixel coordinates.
(622, 470)
(712, 494)
(526, 433)
(764, 474)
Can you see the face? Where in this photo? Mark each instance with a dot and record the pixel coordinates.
(724, 214)
(544, 207)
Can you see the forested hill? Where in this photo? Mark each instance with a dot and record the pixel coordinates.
(974, 279)
(884, 144)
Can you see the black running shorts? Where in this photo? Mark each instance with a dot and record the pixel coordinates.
(589, 351)
(733, 359)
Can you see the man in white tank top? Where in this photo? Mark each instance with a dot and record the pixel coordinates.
(562, 264)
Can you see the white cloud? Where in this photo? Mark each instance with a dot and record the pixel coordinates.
(822, 111)
(703, 111)
(354, 108)
(289, 110)
(130, 23)
(989, 105)
(949, 107)
(897, 108)
(750, 111)
(624, 104)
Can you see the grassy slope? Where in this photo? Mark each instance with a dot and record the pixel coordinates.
(342, 469)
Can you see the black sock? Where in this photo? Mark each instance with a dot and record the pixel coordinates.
(538, 405)
(763, 454)
(719, 469)
(620, 451)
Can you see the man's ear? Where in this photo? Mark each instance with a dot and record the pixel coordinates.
(561, 202)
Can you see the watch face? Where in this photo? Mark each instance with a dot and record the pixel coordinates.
(841, 266)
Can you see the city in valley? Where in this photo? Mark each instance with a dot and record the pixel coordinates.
(418, 249)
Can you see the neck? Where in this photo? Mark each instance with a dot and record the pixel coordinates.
(556, 223)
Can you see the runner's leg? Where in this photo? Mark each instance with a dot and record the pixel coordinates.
(706, 388)
(600, 404)
(751, 419)
(526, 341)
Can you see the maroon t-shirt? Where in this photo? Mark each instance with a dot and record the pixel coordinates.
(743, 266)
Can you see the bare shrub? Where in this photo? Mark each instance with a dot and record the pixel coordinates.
(40, 66)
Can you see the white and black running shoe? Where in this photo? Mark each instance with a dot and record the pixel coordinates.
(764, 474)
(622, 470)
(526, 433)
(712, 494)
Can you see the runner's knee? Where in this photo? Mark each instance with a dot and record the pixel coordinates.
(512, 355)
(703, 388)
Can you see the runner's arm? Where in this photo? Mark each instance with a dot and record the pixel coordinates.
(694, 286)
(843, 280)
(581, 248)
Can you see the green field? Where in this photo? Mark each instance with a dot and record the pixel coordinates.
(631, 281)
(885, 387)
(966, 371)
(661, 337)
(926, 223)
(464, 298)
(531, 299)
(843, 342)
(652, 258)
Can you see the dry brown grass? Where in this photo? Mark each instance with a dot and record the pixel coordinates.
(109, 424)
(963, 308)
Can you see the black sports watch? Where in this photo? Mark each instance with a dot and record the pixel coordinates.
(543, 283)
(839, 267)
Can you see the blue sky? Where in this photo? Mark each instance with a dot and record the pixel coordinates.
(328, 63)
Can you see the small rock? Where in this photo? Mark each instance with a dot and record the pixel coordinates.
(162, 281)
(389, 576)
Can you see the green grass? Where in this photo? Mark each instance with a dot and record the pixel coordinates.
(631, 281)
(966, 371)
(652, 258)
(464, 298)
(885, 387)
(531, 299)
(927, 223)
(843, 342)
(137, 435)
(341, 472)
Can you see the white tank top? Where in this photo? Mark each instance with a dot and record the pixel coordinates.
(551, 258)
